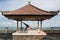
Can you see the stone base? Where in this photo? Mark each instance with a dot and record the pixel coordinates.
(30, 35)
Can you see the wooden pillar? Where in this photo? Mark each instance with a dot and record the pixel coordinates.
(21, 23)
(17, 25)
(40, 25)
(21, 28)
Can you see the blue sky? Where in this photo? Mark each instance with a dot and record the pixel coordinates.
(48, 5)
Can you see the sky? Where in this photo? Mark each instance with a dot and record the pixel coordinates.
(47, 5)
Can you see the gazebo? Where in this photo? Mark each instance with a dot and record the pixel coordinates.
(29, 13)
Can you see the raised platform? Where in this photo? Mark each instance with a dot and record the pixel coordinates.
(29, 35)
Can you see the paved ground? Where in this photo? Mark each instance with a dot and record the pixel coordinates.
(5, 36)
(50, 36)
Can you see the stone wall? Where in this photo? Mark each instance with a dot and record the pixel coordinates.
(27, 37)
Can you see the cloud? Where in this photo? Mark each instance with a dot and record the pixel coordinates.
(54, 21)
(10, 4)
(46, 5)
(2, 0)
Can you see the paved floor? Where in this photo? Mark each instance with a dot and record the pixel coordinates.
(50, 36)
(5, 36)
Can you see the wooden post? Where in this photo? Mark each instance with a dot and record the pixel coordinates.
(17, 25)
(38, 24)
(21, 24)
(41, 25)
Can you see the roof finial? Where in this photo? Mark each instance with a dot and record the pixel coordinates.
(29, 2)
